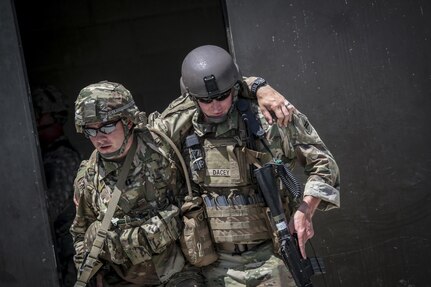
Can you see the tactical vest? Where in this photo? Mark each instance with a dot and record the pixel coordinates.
(147, 223)
(235, 210)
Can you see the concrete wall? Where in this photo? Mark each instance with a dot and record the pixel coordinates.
(26, 252)
(360, 70)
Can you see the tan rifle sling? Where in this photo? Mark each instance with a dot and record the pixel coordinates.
(92, 264)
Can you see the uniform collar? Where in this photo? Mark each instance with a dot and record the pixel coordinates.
(202, 128)
(107, 167)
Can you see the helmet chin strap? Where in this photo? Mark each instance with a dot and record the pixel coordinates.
(115, 154)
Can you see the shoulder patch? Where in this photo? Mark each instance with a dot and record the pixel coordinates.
(307, 127)
(303, 120)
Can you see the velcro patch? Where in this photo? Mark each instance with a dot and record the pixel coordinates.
(219, 172)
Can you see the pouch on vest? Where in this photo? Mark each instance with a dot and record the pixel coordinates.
(162, 229)
(152, 236)
(112, 250)
(196, 242)
(226, 165)
(134, 245)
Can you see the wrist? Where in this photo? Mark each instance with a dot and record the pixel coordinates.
(311, 202)
(256, 85)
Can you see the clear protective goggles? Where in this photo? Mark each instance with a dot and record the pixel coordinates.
(104, 129)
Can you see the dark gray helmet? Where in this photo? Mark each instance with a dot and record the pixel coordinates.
(208, 71)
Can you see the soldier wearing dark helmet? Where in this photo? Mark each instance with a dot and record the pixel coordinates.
(221, 153)
(60, 162)
(140, 245)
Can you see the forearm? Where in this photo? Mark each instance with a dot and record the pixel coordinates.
(323, 180)
(258, 88)
(78, 234)
(83, 218)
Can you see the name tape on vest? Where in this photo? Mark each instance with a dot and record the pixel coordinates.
(219, 172)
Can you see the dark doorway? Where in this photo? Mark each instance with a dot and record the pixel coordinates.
(140, 44)
(70, 44)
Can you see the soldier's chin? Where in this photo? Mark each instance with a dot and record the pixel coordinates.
(104, 150)
(111, 155)
(216, 120)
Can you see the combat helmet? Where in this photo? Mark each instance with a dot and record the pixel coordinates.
(107, 102)
(208, 71)
(104, 102)
(48, 99)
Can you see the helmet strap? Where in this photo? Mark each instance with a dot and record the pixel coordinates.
(127, 134)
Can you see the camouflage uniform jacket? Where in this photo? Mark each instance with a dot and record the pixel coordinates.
(149, 186)
(298, 141)
(175, 120)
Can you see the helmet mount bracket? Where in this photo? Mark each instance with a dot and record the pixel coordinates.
(211, 85)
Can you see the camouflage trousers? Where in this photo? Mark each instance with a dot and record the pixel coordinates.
(257, 267)
(190, 276)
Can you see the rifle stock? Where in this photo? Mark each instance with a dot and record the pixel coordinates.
(300, 268)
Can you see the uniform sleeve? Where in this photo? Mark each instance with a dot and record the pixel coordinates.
(85, 215)
(247, 83)
(175, 120)
(319, 164)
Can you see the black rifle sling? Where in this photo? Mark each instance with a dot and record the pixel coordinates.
(255, 131)
(253, 126)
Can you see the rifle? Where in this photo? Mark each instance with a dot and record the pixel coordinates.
(300, 268)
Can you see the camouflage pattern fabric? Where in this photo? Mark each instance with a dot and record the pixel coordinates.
(175, 120)
(257, 267)
(102, 102)
(149, 190)
(298, 139)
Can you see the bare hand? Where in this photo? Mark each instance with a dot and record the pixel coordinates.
(272, 103)
(301, 222)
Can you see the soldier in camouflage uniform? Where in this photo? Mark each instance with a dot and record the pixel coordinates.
(141, 246)
(60, 163)
(222, 170)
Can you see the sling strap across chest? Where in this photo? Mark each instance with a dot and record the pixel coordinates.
(91, 263)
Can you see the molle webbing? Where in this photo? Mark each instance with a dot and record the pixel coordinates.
(238, 224)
